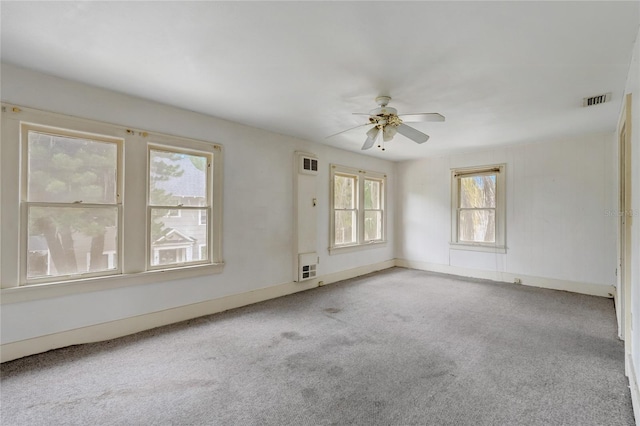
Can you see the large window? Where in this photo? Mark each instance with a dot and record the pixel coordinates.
(357, 205)
(72, 203)
(345, 209)
(179, 199)
(84, 202)
(478, 196)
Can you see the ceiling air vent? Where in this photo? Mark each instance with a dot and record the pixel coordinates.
(595, 100)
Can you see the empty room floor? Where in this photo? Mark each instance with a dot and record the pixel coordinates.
(398, 347)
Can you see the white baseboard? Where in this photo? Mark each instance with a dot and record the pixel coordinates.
(633, 386)
(126, 326)
(550, 283)
(356, 272)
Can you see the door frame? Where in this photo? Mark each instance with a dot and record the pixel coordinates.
(623, 135)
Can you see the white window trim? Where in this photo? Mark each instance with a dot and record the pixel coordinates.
(25, 127)
(360, 176)
(167, 144)
(132, 265)
(500, 244)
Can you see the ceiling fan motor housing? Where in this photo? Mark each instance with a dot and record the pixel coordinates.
(383, 100)
(384, 110)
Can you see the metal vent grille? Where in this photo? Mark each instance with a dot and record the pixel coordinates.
(307, 163)
(310, 164)
(307, 266)
(595, 100)
(308, 271)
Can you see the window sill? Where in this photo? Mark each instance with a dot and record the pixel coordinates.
(357, 247)
(64, 288)
(479, 247)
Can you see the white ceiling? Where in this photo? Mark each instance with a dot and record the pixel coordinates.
(501, 72)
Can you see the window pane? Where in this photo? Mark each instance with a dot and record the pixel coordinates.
(177, 239)
(344, 192)
(477, 226)
(66, 240)
(177, 178)
(372, 194)
(345, 227)
(478, 191)
(204, 253)
(65, 169)
(372, 225)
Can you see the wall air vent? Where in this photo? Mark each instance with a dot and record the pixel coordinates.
(307, 266)
(595, 100)
(308, 164)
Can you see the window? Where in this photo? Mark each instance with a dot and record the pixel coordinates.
(72, 203)
(179, 197)
(357, 205)
(372, 209)
(478, 208)
(77, 199)
(345, 194)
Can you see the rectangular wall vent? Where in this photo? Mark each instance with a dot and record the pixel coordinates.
(308, 271)
(308, 266)
(595, 100)
(308, 164)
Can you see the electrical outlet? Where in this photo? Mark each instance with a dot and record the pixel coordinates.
(517, 281)
(320, 283)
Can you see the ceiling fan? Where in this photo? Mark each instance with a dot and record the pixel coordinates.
(386, 121)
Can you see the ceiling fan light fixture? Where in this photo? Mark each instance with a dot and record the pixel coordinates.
(389, 132)
(373, 132)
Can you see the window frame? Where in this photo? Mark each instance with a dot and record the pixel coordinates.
(360, 177)
(131, 268)
(353, 210)
(380, 209)
(208, 154)
(499, 170)
(26, 204)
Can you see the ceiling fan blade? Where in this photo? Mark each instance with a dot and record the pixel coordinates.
(344, 131)
(371, 138)
(424, 116)
(413, 134)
